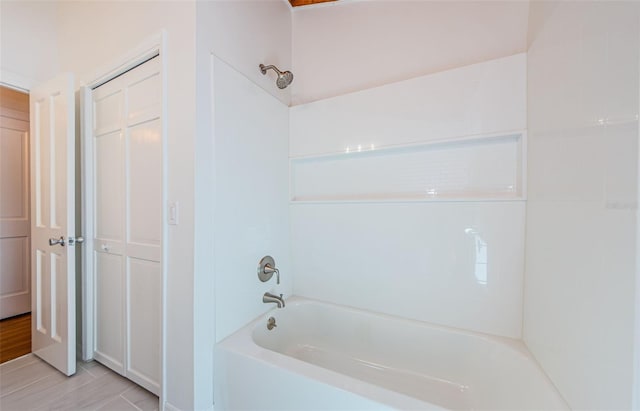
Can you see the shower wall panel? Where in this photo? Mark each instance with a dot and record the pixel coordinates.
(409, 199)
(251, 215)
(480, 99)
(581, 255)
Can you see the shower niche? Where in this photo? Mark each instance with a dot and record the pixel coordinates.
(478, 168)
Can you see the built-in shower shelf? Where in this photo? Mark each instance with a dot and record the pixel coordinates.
(484, 168)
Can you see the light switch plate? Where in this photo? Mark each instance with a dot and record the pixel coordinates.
(173, 213)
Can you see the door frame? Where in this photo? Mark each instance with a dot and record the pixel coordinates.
(149, 48)
(636, 369)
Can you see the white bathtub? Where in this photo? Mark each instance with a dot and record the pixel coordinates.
(324, 356)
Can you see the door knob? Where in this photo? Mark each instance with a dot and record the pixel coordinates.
(75, 240)
(56, 241)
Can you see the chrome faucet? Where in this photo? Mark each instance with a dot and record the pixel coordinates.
(271, 298)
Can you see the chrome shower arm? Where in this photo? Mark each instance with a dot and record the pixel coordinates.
(263, 69)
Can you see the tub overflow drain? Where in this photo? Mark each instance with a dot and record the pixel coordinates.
(271, 322)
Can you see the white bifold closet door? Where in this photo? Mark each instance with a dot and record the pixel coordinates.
(127, 149)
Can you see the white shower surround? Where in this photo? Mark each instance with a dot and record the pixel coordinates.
(453, 257)
(581, 296)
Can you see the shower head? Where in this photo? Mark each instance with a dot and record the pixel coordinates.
(284, 78)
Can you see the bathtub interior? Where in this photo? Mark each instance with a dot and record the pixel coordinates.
(435, 365)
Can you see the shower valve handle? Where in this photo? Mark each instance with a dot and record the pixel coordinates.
(266, 268)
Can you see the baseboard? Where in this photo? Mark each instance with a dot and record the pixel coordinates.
(169, 407)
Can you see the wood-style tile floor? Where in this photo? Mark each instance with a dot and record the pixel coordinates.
(28, 383)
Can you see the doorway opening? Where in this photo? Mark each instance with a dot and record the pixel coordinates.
(15, 236)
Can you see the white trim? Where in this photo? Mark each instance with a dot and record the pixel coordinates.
(16, 81)
(149, 48)
(170, 407)
(86, 228)
(212, 130)
(165, 228)
(167, 406)
(635, 404)
(153, 46)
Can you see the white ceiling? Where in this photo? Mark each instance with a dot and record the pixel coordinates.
(351, 45)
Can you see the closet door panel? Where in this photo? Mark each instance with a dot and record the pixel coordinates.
(109, 187)
(107, 108)
(109, 310)
(144, 165)
(144, 94)
(143, 285)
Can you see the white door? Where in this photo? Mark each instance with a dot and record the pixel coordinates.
(127, 226)
(15, 283)
(53, 326)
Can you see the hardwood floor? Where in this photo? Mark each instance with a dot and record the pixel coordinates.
(15, 337)
(28, 383)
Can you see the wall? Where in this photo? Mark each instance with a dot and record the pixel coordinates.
(413, 204)
(347, 46)
(582, 202)
(28, 40)
(92, 37)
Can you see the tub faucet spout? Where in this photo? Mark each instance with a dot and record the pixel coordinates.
(271, 298)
